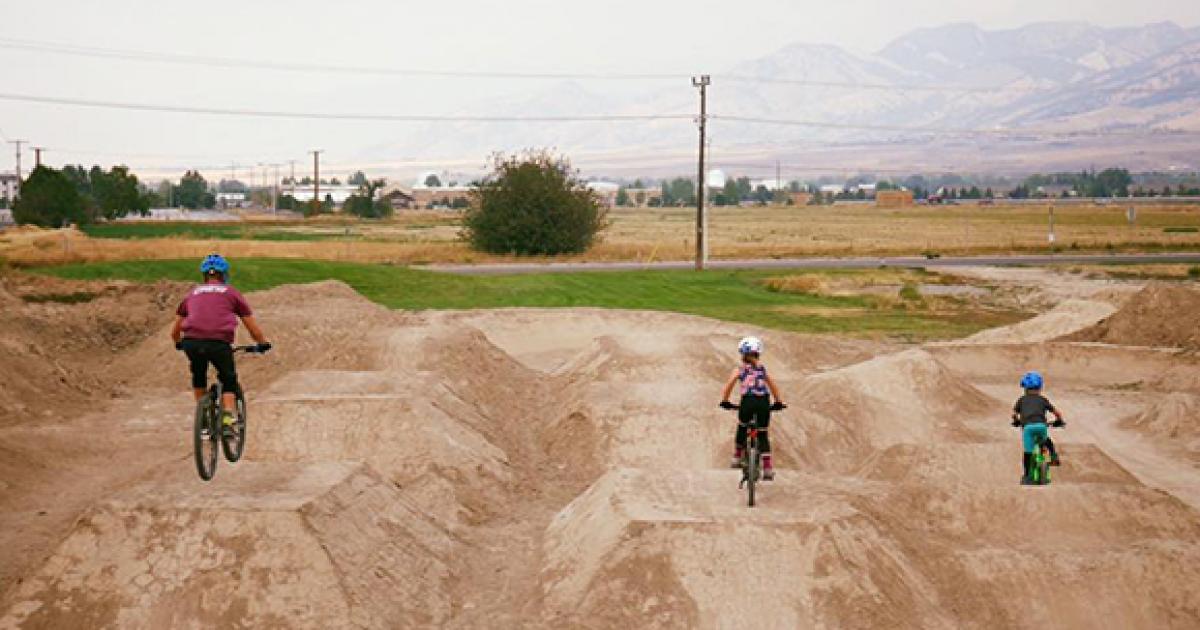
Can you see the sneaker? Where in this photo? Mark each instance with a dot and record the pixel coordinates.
(1026, 481)
(1055, 462)
(768, 474)
(735, 462)
(228, 425)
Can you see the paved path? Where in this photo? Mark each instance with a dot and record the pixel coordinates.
(824, 263)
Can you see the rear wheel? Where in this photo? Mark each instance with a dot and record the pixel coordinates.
(205, 433)
(1043, 467)
(235, 442)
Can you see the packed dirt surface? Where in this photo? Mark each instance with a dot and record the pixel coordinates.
(567, 468)
(1160, 315)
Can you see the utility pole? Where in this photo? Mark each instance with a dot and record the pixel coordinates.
(292, 186)
(701, 243)
(37, 156)
(18, 143)
(275, 190)
(316, 153)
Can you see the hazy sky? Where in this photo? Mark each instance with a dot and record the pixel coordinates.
(514, 35)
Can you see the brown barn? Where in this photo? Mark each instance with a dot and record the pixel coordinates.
(893, 198)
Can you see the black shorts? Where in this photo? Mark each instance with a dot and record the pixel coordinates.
(201, 353)
(756, 408)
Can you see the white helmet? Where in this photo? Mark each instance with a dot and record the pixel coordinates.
(750, 345)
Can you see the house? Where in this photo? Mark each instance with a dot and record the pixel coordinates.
(231, 199)
(868, 190)
(832, 189)
(1056, 190)
(893, 198)
(398, 197)
(800, 198)
(339, 193)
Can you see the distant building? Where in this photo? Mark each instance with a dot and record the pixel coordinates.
(770, 184)
(399, 197)
(606, 192)
(1056, 190)
(893, 198)
(339, 193)
(715, 179)
(8, 187)
(868, 190)
(800, 198)
(231, 199)
(833, 189)
(430, 197)
(642, 197)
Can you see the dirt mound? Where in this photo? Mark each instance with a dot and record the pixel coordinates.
(1063, 319)
(840, 417)
(276, 545)
(640, 549)
(1159, 315)
(61, 338)
(1174, 417)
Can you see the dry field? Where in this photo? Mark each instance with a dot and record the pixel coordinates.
(664, 234)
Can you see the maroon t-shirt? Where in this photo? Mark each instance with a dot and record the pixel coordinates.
(211, 312)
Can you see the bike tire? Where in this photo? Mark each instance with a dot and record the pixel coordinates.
(206, 449)
(752, 463)
(1043, 468)
(234, 445)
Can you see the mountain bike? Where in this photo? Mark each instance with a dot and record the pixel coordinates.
(751, 463)
(207, 430)
(1039, 472)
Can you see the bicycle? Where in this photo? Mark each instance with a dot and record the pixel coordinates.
(208, 429)
(751, 463)
(1039, 471)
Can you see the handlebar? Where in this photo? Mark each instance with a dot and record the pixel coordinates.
(777, 406)
(256, 348)
(1057, 424)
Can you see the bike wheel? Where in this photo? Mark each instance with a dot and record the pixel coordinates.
(234, 443)
(205, 433)
(752, 463)
(1043, 468)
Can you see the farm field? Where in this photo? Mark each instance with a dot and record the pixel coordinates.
(646, 234)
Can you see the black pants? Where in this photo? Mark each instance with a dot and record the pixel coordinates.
(758, 409)
(202, 352)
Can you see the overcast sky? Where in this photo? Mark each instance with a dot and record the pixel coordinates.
(665, 36)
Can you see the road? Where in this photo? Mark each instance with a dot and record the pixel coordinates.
(824, 263)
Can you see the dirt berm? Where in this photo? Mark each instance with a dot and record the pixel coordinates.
(1161, 314)
(567, 468)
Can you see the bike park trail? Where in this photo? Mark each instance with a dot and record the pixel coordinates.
(566, 468)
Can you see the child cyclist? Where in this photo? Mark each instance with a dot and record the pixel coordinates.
(757, 389)
(1029, 414)
(204, 328)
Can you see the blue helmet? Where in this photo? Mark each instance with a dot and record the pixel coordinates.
(1031, 380)
(217, 263)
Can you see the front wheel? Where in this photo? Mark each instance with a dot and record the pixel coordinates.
(205, 432)
(235, 441)
(752, 465)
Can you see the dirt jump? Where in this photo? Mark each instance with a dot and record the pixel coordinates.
(567, 468)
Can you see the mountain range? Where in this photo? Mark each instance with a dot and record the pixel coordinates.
(1041, 82)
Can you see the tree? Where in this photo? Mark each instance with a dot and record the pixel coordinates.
(49, 199)
(732, 196)
(744, 190)
(287, 202)
(193, 192)
(364, 204)
(433, 181)
(333, 181)
(622, 197)
(532, 204)
(116, 193)
(306, 181)
(357, 179)
(683, 191)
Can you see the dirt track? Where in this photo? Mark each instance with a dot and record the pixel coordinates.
(528, 468)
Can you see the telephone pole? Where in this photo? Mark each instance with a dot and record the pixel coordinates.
(701, 240)
(37, 156)
(316, 153)
(18, 143)
(275, 190)
(292, 186)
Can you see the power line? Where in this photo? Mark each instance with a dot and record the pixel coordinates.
(186, 109)
(229, 62)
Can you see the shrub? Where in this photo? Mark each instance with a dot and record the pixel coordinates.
(49, 199)
(532, 204)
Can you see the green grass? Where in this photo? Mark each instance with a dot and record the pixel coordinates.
(201, 231)
(738, 296)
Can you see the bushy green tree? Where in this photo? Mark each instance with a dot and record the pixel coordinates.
(49, 199)
(622, 197)
(193, 193)
(532, 204)
(364, 204)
